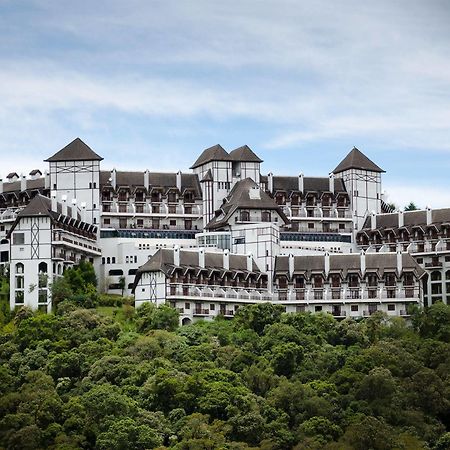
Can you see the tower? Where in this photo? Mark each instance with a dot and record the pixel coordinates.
(75, 178)
(213, 168)
(362, 179)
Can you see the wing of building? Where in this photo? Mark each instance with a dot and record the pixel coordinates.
(195, 232)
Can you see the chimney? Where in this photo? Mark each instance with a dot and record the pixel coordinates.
(176, 256)
(332, 182)
(373, 221)
(301, 184)
(226, 259)
(23, 183)
(429, 216)
(54, 203)
(179, 180)
(147, 180)
(46, 180)
(270, 182)
(1, 186)
(74, 209)
(249, 262)
(399, 262)
(401, 219)
(327, 264)
(83, 211)
(201, 257)
(362, 260)
(291, 265)
(113, 179)
(64, 205)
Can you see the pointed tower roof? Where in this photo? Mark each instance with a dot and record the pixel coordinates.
(244, 153)
(77, 150)
(38, 206)
(214, 153)
(357, 160)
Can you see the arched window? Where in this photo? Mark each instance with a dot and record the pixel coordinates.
(108, 260)
(42, 267)
(245, 216)
(436, 276)
(19, 268)
(447, 275)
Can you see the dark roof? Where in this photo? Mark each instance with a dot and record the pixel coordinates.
(156, 179)
(163, 260)
(245, 154)
(357, 160)
(42, 206)
(410, 219)
(310, 184)
(11, 175)
(31, 185)
(241, 197)
(35, 172)
(38, 206)
(214, 153)
(77, 150)
(375, 262)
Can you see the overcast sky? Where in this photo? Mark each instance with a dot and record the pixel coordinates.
(150, 84)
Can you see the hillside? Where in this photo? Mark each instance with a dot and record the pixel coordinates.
(123, 379)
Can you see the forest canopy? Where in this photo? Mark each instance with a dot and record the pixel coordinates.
(119, 378)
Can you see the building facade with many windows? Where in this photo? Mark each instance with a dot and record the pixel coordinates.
(223, 206)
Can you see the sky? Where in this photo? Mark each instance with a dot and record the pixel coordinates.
(150, 84)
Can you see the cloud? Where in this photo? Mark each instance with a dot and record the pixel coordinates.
(422, 196)
(304, 72)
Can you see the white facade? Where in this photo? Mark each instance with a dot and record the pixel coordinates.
(224, 204)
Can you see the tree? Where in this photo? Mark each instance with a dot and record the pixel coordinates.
(122, 284)
(411, 207)
(60, 290)
(150, 317)
(258, 316)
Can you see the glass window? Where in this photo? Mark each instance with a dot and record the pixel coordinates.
(18, 238)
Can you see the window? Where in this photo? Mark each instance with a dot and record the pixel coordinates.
(391, 307)
(318, 308)
(310, 226)
(187, 306)
(245, 216)
(18, 238)
(212, 307)
(107, 221)
(354, 308)
(116, 272)
(173, 223)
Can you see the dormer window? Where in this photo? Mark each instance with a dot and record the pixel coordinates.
(245, 216)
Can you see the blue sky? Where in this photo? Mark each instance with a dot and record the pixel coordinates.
(150, 84)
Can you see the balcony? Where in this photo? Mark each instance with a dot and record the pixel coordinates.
(353, 293)
(433, 264)
(201, 312)
(216, 292)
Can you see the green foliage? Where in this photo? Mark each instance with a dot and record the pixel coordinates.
(150, 317)
(411, 207)
(116, 378)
